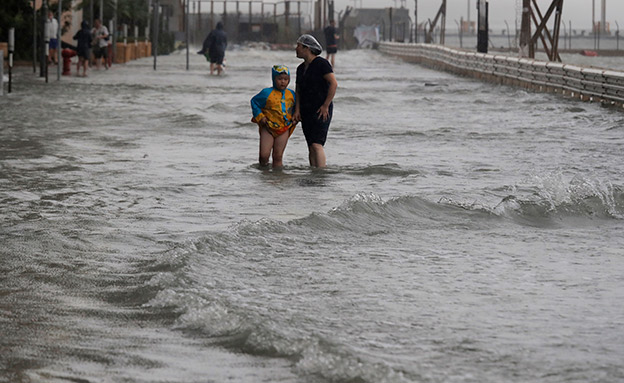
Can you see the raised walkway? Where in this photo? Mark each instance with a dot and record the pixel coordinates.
(583, 83)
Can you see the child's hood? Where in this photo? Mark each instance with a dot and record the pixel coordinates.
(277, 70)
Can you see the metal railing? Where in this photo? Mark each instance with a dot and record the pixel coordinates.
(587, 84)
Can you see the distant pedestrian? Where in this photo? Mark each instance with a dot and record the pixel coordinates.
(272, 110)
(315, 89)
(214, 48)
(52, 29)
(100, 43)
(83, 36)
(331, 41)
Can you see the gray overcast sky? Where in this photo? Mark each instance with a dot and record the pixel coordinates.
(577, 11)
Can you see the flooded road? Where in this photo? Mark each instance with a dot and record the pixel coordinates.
(462, 231)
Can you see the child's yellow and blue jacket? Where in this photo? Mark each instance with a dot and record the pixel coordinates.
(276, 105)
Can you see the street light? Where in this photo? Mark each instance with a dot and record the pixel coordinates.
(617, 36)
(459, 29)
(570, 29)
(508, 35)
(565, 34)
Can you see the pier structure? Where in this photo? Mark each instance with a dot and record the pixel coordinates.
(271, 21)
(582, 83)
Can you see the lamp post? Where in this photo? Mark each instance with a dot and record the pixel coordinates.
(43, 62)
(459, 30)
(187, 32)
(59, 47)
(46, 45)
(508, 35)
(155, 28)
(468, 16)
(34, 37)
(565, 34)
(594, 24)
(416, 21)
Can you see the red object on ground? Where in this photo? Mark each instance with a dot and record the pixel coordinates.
(67, 55)
(589, 53)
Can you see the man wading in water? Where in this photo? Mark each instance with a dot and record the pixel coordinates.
(315, 89)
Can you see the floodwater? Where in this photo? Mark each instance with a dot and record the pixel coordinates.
(462, 232)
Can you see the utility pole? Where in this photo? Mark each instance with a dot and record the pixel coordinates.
(188, 30)
(34, 38)
(525, 29)
(483, 28)
(416, 21)
(43, 64)
(155, 31)
(594, 23)
(468, 16)
(603, 19)
(59, 34)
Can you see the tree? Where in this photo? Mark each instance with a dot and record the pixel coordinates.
(130, 12)
(18, 14)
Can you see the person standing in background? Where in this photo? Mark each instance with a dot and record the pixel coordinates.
(100, 43)
(83, 45)
(331, 41)
(214, 48)
(52, 27)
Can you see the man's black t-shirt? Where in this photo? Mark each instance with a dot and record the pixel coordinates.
(312, 86)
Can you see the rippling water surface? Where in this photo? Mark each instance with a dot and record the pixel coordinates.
(462, 232)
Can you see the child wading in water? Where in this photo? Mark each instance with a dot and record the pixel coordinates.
(272, 110)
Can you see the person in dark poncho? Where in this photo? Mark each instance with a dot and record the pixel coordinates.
(331, 41)
(214, 48)
(83, 36)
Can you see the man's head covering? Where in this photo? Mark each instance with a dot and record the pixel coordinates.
(310, 42)
(277, 70)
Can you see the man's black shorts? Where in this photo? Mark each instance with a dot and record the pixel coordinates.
(315, 129)
(100, 52)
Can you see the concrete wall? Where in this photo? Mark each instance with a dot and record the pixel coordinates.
(586, 84)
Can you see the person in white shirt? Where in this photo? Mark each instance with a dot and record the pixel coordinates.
(100, 43)
(52, 27)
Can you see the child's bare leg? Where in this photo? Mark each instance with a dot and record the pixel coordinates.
(266, 145)
(279, 145)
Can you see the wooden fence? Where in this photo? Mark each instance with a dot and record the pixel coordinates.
(583, 83)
